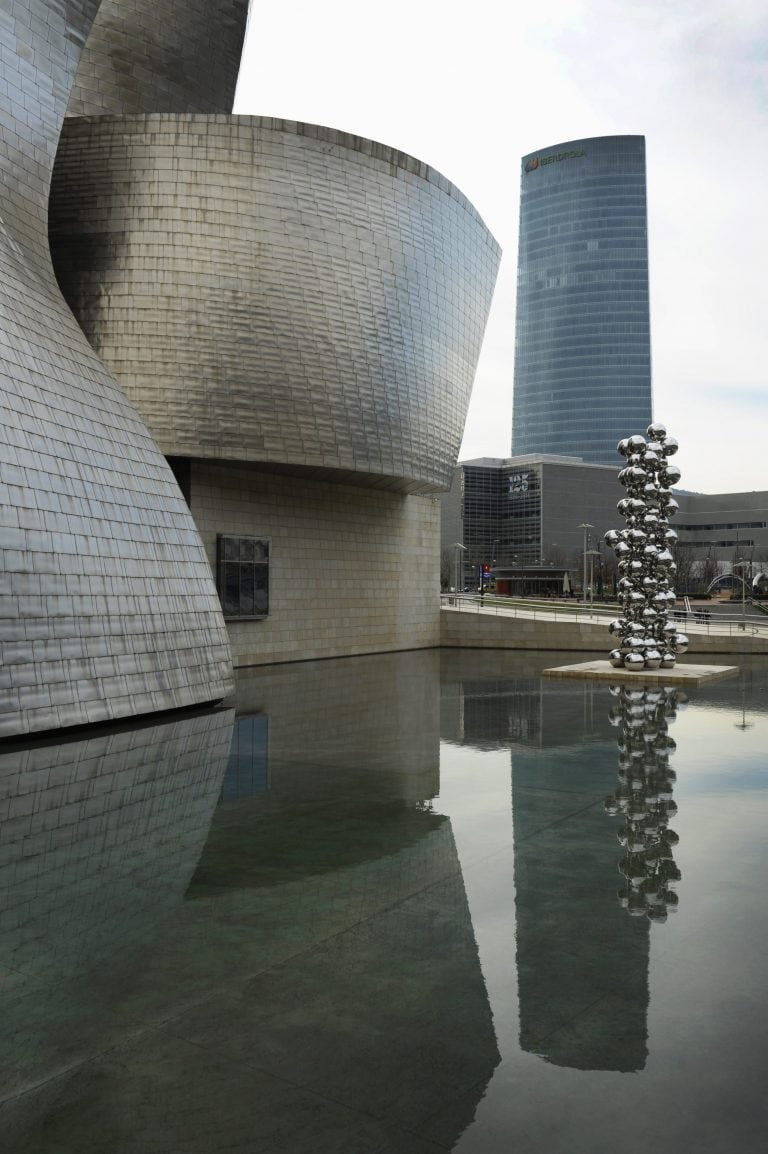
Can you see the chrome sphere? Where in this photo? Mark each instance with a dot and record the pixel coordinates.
(667, 660)
(671, 475)
(681, 643)
(652, 659)
(623, 447)
(656, 431)
(616, 658)
(670, 446)
(637, 442)
(611, 537)
(634, 661)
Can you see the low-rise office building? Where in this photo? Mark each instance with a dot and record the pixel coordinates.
(535, 524)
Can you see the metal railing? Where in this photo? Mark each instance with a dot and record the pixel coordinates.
(694, 621)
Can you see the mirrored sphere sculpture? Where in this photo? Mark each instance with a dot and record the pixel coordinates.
(645, 638)
(644, 799)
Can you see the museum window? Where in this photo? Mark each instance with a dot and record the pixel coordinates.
(242, 576)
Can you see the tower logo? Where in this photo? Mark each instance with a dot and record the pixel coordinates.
(532, 164)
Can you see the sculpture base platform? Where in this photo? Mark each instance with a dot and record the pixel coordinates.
(693, 675)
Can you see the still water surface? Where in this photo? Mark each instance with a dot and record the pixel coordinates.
(380, 906)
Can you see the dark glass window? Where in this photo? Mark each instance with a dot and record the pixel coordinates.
(242, 576)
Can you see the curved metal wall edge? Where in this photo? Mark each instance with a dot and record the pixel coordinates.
(107, 606)
(276, 292)
(161, 56)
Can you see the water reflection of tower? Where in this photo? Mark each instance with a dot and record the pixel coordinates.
(582, 964)
(644, 799)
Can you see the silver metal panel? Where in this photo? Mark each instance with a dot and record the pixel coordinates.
(276, 292)
(161, 56)
(107, 606)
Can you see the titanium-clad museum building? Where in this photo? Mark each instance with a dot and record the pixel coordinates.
(582, 340)
(283, 324)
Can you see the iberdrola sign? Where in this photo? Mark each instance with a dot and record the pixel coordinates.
(536, 161)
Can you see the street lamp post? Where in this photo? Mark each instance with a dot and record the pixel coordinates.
(458, 547)
(592, 553)
(585, 525)
(742, 565)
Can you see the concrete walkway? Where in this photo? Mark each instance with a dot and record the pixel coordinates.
(470, 625)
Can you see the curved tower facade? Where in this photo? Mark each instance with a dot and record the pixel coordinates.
(278, 292)
(160, 56)
(582, 341)
(107, 606)
(281, 324)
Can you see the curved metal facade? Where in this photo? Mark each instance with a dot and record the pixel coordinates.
(269, 291)
(160, 56)
(583, 347)
(107, 607)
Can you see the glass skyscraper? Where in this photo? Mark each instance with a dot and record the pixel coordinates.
(582, 342)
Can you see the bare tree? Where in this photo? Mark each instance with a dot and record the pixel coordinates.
(684, 559)
(709, 569)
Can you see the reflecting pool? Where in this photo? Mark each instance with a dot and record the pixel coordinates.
(405, 903)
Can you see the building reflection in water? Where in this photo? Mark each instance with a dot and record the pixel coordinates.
(366, 949)
(582, 965)
(644, 799)
(247, 772)
(99, 839)
(315, 922)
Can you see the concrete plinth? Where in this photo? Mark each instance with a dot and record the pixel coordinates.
(692, 675)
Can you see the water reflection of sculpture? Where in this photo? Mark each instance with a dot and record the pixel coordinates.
(644, 799)
(648, 640)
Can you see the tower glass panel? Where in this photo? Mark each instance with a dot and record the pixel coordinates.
(582, 342)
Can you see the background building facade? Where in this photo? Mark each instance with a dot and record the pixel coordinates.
(582, 345)
(529, 519)
(524, 517)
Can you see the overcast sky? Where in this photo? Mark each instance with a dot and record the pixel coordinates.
(469, 89)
